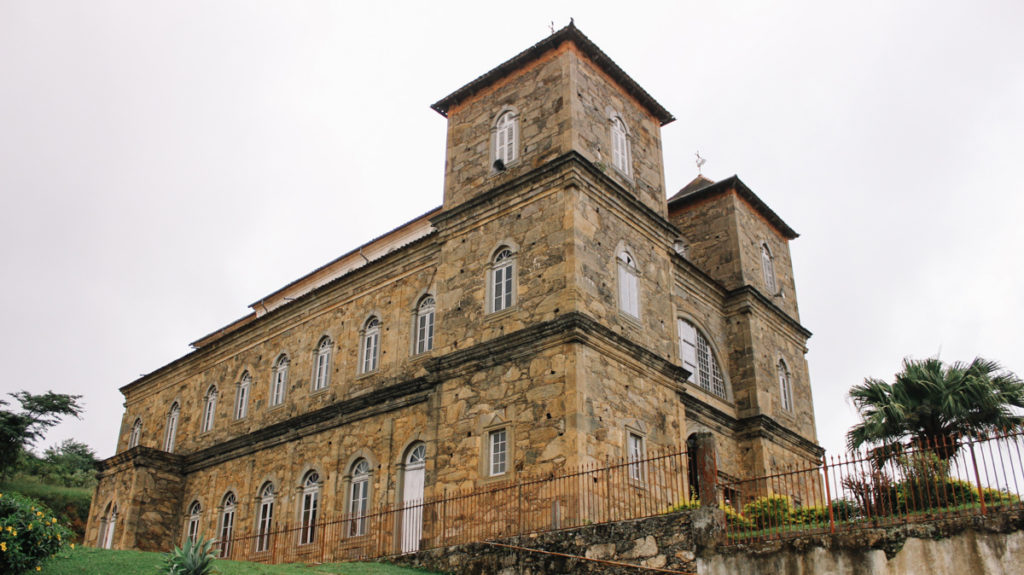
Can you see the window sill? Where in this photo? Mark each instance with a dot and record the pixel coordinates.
(368, 374)
(496, 315)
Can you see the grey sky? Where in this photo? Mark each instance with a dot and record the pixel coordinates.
(164, 164)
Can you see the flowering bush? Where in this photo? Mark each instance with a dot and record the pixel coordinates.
(29, 533)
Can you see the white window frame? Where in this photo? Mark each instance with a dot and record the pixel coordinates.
(322, 364)
(171, 432)
(369, 358)
(108, 525)
(502, 282)
(279, 380)
(265, 517)
(636, 453)
(768, 269)
(505, 143)
(195, 511)
(785, 384)
(310, 508)
(359, 498)
(209, 410)
(242, 396)
(621, 157)
(227, 523)
(629, 295)
(497, 452)
(699, 358)
(424, 325)
(136, 433)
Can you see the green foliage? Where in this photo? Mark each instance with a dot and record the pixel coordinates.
(932, 405)
(808, 515)
(194, 558)
(734, 520)
(22, 429)
(70, 504)
(844, 510)
(684, 505)
(29, 533)
(770, 511)
(69, 464)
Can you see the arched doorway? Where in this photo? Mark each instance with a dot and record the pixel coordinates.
(412, 498)
(691, 466)
(107, 527)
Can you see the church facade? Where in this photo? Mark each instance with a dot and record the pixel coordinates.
(558, 309)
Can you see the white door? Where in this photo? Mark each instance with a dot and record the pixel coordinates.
(108, 537)
(412, 499)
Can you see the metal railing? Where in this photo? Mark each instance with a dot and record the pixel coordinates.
(590, 494)
(932, 479)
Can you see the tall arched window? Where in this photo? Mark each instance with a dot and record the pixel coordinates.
(359, 498)
(209, 409)
(310, 506)
(172, 427)
(768, 268)
(700, 360)
(425, 325)
(227, 523)
(107, 525)
(242, 396)
(506, 139)
(194, 513)
(265, 516)
(136, 433)
(503, 279)
(322, 363)
(629, 297)
(785, 385)
(279, 381)
(620, 146)
(371, 346)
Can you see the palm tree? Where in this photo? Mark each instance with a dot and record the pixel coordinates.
(933, 406)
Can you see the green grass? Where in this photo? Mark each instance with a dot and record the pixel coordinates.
(91, 561)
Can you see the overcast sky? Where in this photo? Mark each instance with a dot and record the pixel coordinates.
(164, 164)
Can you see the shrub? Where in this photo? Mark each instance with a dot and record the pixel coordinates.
(193, 558)
(684, 505)
(734, 520)
(808, 515)
(29, 533)
(770, 511)
(844, 510)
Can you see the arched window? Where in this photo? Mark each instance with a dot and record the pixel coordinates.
(425, 325)
(209, 409)
(503, 280)
(279, 381)
(506, 139)
(768, 268)
(227, 522)
(322, 364)
(620, 146)
(785, 385)
(107, 525)
(172, 427)
(194, 512)
(265, 516)
(412, 497)
(371, 346)
(629, 297)
(136, 433)
(310, 505)
(359, 498)
(700, 360)
(242, 396)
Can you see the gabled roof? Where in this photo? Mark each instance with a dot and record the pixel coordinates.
(568, 34)
(701, 188)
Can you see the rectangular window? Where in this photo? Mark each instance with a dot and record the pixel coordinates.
(370, 352)
(321, 370)
(227, 529)
(263, 531)
(357, 507)
(498, 440)
(242, 401)
(503, 288)
(637, 454)
(425, 332)
(628, 300)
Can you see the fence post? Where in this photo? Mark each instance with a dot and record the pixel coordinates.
(828, 496)
(977, 477)
(707, 470)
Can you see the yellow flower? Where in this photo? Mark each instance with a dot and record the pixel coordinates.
(38, 568)
(39, 513)
(72, 545)
(3, 546)
(30, 527)
(58, 537)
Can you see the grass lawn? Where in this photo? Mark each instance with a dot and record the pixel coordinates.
(91, 561)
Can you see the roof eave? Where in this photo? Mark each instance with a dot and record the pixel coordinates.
(734, 182)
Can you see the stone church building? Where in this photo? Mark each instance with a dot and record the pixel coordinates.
(559, 308)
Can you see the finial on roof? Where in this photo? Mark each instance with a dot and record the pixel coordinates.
(551, 27)
(700, 163)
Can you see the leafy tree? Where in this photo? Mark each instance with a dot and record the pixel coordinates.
(38, 413)
(69, 463)
(931, 405)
